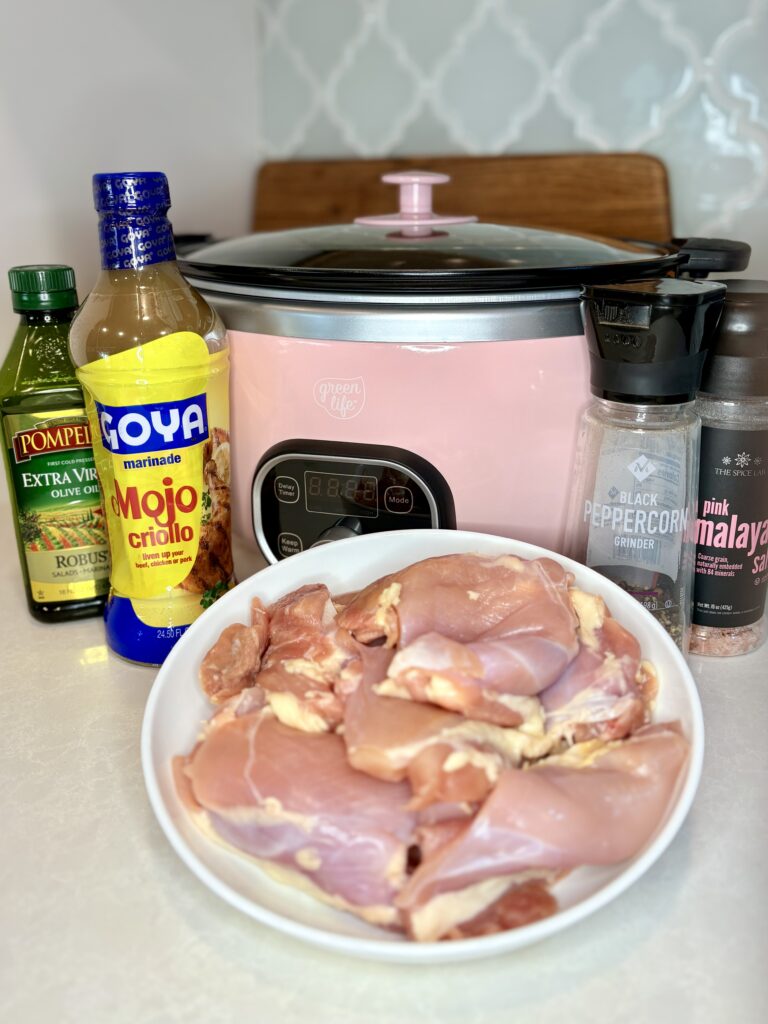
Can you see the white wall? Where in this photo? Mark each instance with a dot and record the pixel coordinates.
(97, 85)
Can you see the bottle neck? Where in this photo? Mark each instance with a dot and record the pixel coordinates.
(634, 415)
(47, 317)
(132, 239)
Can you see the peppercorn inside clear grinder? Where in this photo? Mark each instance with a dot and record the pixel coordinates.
(632, 515)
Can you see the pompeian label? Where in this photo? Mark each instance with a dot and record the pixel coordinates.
(732, 528)
(159, 417)
(58, 502)
(39, 440)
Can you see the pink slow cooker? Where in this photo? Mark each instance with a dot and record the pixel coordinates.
(413, 370)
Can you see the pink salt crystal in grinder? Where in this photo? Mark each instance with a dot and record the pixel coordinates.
(731, 571)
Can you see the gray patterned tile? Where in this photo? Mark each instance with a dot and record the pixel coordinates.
(319, 31)
(427, 28)
(490, 86)
(622, 75)
(707, 20)
(684, 79)
(427, 133)
(374, 95)
(287, 103)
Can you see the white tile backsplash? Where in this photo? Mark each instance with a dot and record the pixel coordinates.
(686, 80)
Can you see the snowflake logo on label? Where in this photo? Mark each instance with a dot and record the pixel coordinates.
(743, 460)
(727, 460)
(641, 468)
(758, 461)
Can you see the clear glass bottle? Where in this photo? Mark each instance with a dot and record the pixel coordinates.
(52, 482)
(153, 358)
(632, 513)
(731, 569)
(634, 506)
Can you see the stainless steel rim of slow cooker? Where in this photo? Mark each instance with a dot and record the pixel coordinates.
(537, 315)
(321, 299)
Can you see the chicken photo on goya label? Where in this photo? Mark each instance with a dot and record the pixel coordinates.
(159, 417)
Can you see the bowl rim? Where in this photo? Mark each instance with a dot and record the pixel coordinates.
(405, 951)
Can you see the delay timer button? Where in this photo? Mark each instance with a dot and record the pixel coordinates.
(287, 489)
(398, 500)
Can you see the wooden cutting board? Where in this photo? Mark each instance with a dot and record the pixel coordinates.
(621, 195)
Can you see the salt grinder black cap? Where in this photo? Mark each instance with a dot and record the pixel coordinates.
(648, 340)
(738, 364)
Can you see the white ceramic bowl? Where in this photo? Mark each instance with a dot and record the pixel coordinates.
(177, 707)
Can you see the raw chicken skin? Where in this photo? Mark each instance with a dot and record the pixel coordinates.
(232, 663)
(292, 799)
(443, 756)
(303, 625)
(492, 681)
(307, 655)
(504, 636)
(599, 803)
(604, 692)
(463, 597)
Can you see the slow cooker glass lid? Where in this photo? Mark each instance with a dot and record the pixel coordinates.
(462, 246)
(416, 248)
(464, 256)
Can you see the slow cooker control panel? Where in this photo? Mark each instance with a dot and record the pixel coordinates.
(307, 493)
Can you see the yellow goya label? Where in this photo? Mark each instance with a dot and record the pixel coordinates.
(159, 418)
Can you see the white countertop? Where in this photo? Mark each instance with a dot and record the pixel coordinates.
(102, 923)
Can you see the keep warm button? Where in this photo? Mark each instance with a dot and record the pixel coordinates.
(398, 499)
(289, 544)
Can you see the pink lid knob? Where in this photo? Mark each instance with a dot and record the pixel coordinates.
(415, 203)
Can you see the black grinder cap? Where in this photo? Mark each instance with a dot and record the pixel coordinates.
(738, 362)
(648, 340)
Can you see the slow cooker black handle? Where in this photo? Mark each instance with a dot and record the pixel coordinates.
(712, 255)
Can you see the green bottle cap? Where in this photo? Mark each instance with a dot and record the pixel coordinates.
(44, 286)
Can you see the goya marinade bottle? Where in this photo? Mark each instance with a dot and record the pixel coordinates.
(52, 480)
(153, 358)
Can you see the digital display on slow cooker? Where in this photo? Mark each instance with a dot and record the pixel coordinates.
(308, 492)
(341, 494)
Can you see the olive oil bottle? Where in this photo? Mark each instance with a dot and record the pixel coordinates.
(153, 359)
(52, 482)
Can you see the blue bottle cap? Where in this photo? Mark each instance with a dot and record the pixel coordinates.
(131, 190)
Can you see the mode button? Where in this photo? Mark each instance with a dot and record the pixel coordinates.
(398, 499)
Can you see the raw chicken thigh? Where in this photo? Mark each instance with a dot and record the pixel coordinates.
(597, 805)
(475, 635)
(433, 753)
(292, 800)
(606, 690)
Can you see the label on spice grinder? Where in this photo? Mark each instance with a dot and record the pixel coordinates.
(638, 520)
(732, 528)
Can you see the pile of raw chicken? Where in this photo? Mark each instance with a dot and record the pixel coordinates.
(434, 752)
